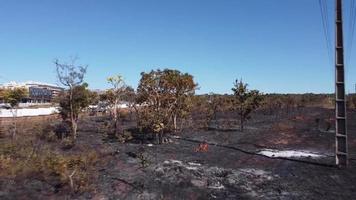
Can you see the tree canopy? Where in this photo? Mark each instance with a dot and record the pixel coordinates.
(164, 96)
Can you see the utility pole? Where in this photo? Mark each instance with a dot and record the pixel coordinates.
(341, 152)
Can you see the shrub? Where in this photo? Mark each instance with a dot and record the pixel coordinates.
(125, 136)
(45, 132)
(24, 160)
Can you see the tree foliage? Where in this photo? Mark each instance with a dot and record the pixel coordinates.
(164, 96)
(114, 96)
(81, 100)
(245, 101)
(71, 76)
(14, 96)
(93, 98)
(2, 94)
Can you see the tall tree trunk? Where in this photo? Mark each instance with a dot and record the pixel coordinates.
(116, 117)
(241, 120)
(160, 137)
(72, 118)
(175, 122)
(14, 117)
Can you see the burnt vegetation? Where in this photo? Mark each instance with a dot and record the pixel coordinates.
(98, 148)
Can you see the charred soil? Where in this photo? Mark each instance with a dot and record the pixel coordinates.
(214, 163)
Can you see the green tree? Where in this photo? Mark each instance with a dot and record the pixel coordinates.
(180, 87)
(70, 112)
(245, 101)
(81, 100)
(94, 98)
(115, 96)
(71, 76)
(163, 96)
(2, 94)
(129, 96)
(14, 97)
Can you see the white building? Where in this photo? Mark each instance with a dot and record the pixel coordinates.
(38, 92)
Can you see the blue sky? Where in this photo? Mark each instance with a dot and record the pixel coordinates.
(274, 45)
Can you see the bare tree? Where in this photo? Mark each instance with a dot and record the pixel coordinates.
(70, 75)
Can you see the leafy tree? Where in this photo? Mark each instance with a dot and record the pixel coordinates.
(71, 75)
(93, 98)
(129, 96)
(181, 87)
(14, 97)
(2, 94)
(245, 101)
(115, 96)
(81, 100)
(163, 96)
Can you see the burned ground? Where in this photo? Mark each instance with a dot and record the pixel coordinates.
(218, 163)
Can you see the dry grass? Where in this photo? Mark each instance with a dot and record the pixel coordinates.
(35, 154)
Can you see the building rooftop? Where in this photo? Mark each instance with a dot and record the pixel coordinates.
(28, 83)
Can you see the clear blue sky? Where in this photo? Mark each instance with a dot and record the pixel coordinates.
(274, 45)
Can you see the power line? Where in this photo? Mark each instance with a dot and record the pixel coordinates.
(349, 31)
(325, 22)
(352, 22)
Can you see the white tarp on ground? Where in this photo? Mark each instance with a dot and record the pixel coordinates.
(28, 112)
(288, 153)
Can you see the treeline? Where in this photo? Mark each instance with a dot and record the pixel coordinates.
(162, 99)
(165, 102)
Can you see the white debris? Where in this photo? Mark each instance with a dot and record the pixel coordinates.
(176, 136)
(217, 187)
(288, 153)
(28, 112)
(194, 164)
(191, 168)
(150, 145)
(173, 162)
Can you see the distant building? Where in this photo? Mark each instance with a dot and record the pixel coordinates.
(37, 92)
